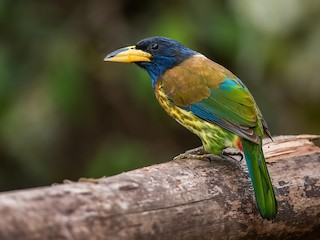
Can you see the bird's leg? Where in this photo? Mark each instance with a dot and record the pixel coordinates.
(196, 153)
(200, 154)
(230, 153)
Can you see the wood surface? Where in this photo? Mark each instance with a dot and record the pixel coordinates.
(181, 199)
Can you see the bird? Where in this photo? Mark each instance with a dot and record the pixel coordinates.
(210, 101)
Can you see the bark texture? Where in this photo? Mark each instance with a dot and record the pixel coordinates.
(181, 199)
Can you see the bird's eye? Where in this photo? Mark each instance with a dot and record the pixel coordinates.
(154, 46)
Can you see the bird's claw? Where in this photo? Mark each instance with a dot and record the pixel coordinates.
(200, 154)
(231, 152)
(203, 157)
(197, 153)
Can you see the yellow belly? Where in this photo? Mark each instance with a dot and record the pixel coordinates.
(214, 138)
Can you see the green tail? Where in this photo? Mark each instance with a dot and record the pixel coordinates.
(260, 178)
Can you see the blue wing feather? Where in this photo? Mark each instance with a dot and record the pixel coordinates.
(224, 109)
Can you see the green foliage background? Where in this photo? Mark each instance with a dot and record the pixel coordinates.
(66, 114)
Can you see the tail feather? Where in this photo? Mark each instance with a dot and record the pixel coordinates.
(260, 178)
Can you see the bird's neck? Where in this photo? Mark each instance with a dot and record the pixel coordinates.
(157, 68)
(160, 64)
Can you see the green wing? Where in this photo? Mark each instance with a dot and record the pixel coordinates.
(214, 94)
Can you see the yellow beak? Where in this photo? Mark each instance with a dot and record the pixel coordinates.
(128, 55)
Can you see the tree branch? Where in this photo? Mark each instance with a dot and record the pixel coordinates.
(182, 199)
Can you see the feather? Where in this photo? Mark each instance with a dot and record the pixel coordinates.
(214, 94)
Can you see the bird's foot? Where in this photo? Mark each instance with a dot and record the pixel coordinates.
(232, 153)
(196, 153)
(202, 157)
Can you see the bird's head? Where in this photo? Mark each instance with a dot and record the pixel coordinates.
(155, 54)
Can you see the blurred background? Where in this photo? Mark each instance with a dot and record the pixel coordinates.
(66, 114)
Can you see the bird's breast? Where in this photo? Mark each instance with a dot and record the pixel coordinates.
(184, 117)
(212, 136)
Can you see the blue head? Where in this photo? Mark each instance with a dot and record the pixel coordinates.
(154, 54)
(166, 53)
